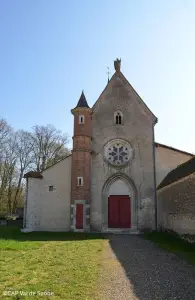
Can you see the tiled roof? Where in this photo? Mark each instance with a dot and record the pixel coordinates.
(82, 101)
(180, 172)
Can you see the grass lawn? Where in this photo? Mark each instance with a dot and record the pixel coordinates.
(173, 243)
(66, 264)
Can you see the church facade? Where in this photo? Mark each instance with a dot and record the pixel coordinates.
(108, 183)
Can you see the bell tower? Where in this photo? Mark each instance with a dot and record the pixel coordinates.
(81, 166)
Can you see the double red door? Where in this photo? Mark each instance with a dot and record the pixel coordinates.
(119, 211)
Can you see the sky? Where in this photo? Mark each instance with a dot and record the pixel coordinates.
(52, 50)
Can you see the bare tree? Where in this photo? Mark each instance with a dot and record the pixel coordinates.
(49, 146)
(10, 166)
(24, 155)
(21, 151)
(6, 134)
(5, 131)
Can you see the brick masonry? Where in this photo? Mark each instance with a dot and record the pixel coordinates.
(81, 161)
(81, 156)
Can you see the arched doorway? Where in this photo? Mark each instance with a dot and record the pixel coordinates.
(119, 208)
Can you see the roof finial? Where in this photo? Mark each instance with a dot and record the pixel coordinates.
(117, 65)
(108, 74)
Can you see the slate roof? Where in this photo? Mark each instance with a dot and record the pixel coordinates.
(180, 172)
(33, 174)
(82, 101)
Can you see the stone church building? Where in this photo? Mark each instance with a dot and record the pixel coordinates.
(108, 183)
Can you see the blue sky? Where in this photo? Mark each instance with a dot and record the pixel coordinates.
(51, 50)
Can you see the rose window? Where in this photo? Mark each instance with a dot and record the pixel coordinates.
(118, 153)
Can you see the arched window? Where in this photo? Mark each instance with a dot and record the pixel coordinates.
(118, 118)
(79, 181)
(81, 119)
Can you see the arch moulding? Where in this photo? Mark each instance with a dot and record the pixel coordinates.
(133, 198)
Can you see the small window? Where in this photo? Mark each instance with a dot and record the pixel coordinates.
(79, 181)
(118, 118)
(51, 188)
(81, 119)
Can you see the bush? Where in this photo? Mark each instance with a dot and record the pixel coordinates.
(11, 217)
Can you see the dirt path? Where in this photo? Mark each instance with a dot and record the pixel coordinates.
(136, 269)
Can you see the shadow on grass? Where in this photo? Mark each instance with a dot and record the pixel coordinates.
(14, 233)
(173, 243)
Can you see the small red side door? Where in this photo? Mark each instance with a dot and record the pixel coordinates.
(79, 216)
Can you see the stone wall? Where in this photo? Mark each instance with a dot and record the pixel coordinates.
(167, 160)
(176, 206)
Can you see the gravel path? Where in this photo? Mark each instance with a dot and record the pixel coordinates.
(136, 269)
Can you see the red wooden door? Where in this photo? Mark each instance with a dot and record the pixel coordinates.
(113, 215)
(79, 216)
(119, 211)
(125, 212)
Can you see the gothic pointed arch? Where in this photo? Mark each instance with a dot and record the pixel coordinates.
(127, 186)
(118, 118)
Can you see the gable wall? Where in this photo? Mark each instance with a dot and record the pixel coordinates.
(138, 131)
(167, 160)
(50, 210)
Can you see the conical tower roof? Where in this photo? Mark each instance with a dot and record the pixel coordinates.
(82, 101)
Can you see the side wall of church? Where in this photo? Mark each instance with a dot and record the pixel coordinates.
(138, 131)
(167, 160)
(50, 210)
(176, 206)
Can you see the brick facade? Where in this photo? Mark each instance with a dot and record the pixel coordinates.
(81, 160)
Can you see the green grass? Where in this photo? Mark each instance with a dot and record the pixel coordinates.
(173, 243)
(66, 264)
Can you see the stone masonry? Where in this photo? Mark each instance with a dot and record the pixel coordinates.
(176, 206)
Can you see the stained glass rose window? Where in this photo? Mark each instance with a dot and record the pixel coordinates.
(118, 152)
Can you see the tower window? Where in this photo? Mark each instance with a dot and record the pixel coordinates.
(118, 118)
(51, 188)
(79, 181)
(81, 119)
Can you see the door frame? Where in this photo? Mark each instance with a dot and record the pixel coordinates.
(129, 198)
(133, 197)
(73, 215)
